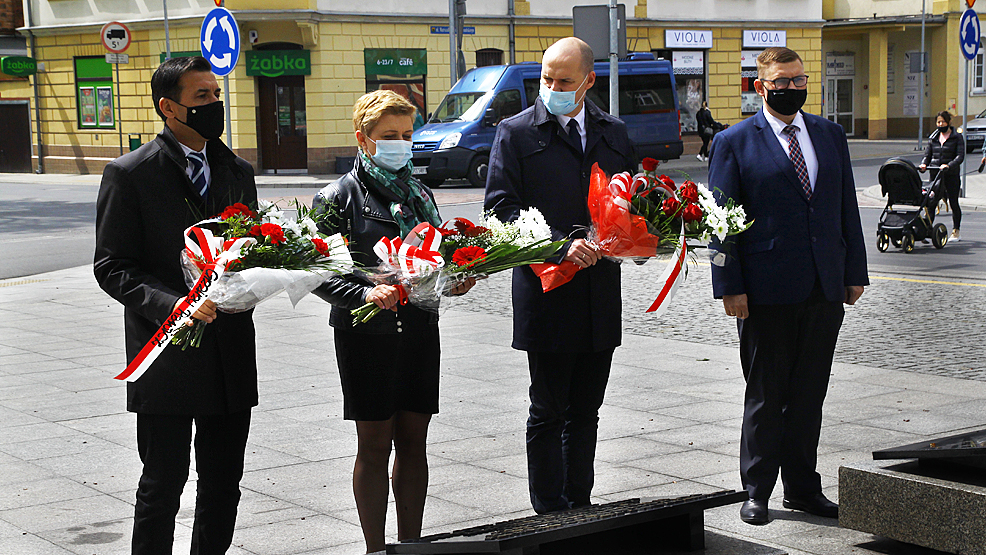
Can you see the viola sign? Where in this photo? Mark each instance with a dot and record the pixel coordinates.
(18, 66)
(275, 63)
(764, 39)
(684, 38)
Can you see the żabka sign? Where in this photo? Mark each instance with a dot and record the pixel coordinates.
(764, 39)
(275, 63)
(18, 66)
(684, 38)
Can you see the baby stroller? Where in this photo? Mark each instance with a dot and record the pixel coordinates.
(910, 212)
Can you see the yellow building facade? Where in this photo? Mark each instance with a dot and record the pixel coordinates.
(302, 123)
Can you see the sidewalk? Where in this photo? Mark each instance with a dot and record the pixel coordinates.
(669, 427)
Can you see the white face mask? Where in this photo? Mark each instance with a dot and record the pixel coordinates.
(560, 103)
(391, 155)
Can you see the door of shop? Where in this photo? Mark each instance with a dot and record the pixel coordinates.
(838, 102)
(15, 141)
(283, 123)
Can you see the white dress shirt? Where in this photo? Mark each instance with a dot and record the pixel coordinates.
(579, 119)
(188, 167)
(804, 140)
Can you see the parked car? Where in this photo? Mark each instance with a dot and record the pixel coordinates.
(456, 141)
(975, 133)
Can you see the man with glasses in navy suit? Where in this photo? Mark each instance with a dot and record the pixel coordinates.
(786, 278)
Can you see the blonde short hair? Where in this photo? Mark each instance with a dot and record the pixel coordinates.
(775, 55)
(374, 105)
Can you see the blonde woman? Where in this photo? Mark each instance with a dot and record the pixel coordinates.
(389, 366)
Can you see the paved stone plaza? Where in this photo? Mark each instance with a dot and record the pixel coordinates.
(670, 424)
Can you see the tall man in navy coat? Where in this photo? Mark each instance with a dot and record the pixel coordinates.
(786, 278)
(570, 332)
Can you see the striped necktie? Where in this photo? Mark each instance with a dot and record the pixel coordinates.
(198, 173)
(798, 157)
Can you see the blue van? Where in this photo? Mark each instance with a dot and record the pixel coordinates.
(456, 141)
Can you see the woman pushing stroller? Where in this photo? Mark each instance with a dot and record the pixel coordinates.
(946, 150)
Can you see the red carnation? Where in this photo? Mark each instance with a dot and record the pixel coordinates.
(692, 213)
(236, 210)
(670, 206)
(274, 232)
(321, 246)
(255, 231)
(650, 164)
(448, 232)
(689, 191)
(467, 256)
(667, 181)
(475, 231)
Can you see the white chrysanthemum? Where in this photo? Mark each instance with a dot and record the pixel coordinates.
(264, 204)
(532, 226)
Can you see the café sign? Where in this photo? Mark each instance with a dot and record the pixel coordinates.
(18, 66)
(275, 63)
(395, 61)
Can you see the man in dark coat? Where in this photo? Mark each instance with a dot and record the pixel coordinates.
(570, 332)
(786, 278)
(147, 199)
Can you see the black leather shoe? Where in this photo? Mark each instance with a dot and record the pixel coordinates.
(816, 504)
(754, 511)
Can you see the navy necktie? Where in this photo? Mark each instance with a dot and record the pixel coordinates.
(198, 173)
(573, 133)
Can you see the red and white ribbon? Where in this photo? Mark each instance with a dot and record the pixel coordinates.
(417, 254)
(216, 254)
(671, 277)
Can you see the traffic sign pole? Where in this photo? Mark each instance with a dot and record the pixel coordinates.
(220, 44)
(119, 110)
(969, 40)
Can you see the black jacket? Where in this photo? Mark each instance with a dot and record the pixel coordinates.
(364, 218)
(705, 122)
(145, 203)
(951, 153)
(535, 163)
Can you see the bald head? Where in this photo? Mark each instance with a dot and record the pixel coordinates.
(570, 50)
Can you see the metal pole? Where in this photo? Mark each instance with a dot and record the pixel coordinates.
(965, 122)
(229, 121)
(452, 50)
(37, 95)
(513, 36)
(119, 112)
(614, 63)
(921, 86)
(167, 36)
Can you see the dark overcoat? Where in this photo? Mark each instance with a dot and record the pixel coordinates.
(793, 238)
(145, 203)
(534, 163)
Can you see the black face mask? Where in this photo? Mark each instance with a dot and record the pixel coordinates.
(942, 128)
(208, 120)
(786, 102)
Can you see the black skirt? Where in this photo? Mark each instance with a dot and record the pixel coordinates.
(384, 373)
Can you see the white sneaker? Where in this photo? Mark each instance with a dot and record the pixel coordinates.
(700, 158)
(954, 236)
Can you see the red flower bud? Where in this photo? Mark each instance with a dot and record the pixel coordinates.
(692, 213)
(650, 164)
(667, 181)
(670, 206)
(321, 246)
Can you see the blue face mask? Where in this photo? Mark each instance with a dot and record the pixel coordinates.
(560, 103)
(391, 155)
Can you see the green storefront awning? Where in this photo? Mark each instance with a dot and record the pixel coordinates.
(396, 61)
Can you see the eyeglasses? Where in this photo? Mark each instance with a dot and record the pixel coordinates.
(785, 82)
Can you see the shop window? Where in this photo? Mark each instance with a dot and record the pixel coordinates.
(94, 93)
(689, 76)
(489, 57)
(977, 73)
(403, 71)
(749, 99)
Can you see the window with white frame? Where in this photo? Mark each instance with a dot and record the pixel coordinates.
(977, 72)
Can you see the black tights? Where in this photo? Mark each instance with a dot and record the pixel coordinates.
(952, 189)
(705, 145)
